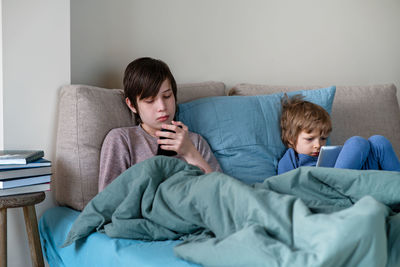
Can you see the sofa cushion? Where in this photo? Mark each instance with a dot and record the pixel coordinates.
(357, 110)
(191, 91)
(86, 115)
(243, 131)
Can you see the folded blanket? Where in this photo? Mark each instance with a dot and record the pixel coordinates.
(306, 217)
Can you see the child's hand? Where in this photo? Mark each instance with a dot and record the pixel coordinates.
(178, 140)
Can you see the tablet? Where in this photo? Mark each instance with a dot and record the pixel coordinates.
(328, 155)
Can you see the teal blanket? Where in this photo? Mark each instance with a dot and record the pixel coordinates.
(307, 217)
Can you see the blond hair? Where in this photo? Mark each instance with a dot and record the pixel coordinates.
(301, 115)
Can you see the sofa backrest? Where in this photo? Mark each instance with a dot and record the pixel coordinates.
(357, 110)
(87, 114)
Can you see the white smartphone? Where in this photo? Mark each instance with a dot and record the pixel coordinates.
(328, 155)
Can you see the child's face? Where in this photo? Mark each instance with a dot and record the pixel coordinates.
(310, 143)
(158, 110)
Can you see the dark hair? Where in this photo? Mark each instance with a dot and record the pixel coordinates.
(300, 115)
(143, 78)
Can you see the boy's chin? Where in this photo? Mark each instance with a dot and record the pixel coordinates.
(167, 122)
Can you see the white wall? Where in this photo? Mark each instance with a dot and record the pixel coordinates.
(36, 62)
(1, 78)
(353, 42)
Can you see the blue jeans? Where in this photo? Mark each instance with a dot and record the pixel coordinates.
(376, 153)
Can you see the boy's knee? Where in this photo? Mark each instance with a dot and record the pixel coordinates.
(379, 140)
(357, 141)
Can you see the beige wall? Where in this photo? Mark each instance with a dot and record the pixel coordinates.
(36, 62)
(259, 41)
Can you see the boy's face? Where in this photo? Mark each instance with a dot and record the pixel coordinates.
(309, 143)
(158, 110)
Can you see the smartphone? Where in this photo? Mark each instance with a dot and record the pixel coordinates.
(162, 152)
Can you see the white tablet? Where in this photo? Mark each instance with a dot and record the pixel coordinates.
(328, 155)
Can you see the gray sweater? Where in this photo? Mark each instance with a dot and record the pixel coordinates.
(124, 147)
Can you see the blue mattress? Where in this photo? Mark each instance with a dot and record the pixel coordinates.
(99, 249)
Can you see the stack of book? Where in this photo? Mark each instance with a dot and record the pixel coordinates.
(23, 171)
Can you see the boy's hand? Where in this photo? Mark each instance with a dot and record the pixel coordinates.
(178, 140)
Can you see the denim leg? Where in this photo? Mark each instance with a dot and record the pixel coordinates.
(353, 154)
(382, 155)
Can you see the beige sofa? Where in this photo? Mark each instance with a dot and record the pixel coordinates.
(87, 113)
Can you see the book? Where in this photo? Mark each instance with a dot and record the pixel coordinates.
(24, 172)
(328, 155)
(25, 189)
(10, 183)
(38, 163)
(20, 156)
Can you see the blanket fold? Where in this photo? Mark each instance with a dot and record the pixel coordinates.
(306, 217)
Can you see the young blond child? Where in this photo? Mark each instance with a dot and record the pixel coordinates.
(306, 126)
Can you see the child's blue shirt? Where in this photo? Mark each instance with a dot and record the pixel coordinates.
(357, 153)
(292, 160)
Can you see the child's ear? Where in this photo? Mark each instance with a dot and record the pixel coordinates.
(290, 145)
(131, 107)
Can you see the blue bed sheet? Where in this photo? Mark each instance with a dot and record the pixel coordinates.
(99, 249)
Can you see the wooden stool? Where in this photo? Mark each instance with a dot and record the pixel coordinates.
(27, 202)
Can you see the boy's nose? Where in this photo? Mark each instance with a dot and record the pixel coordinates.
(161, 105)
(317, 144)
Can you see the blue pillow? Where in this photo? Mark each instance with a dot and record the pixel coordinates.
(244, 131)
